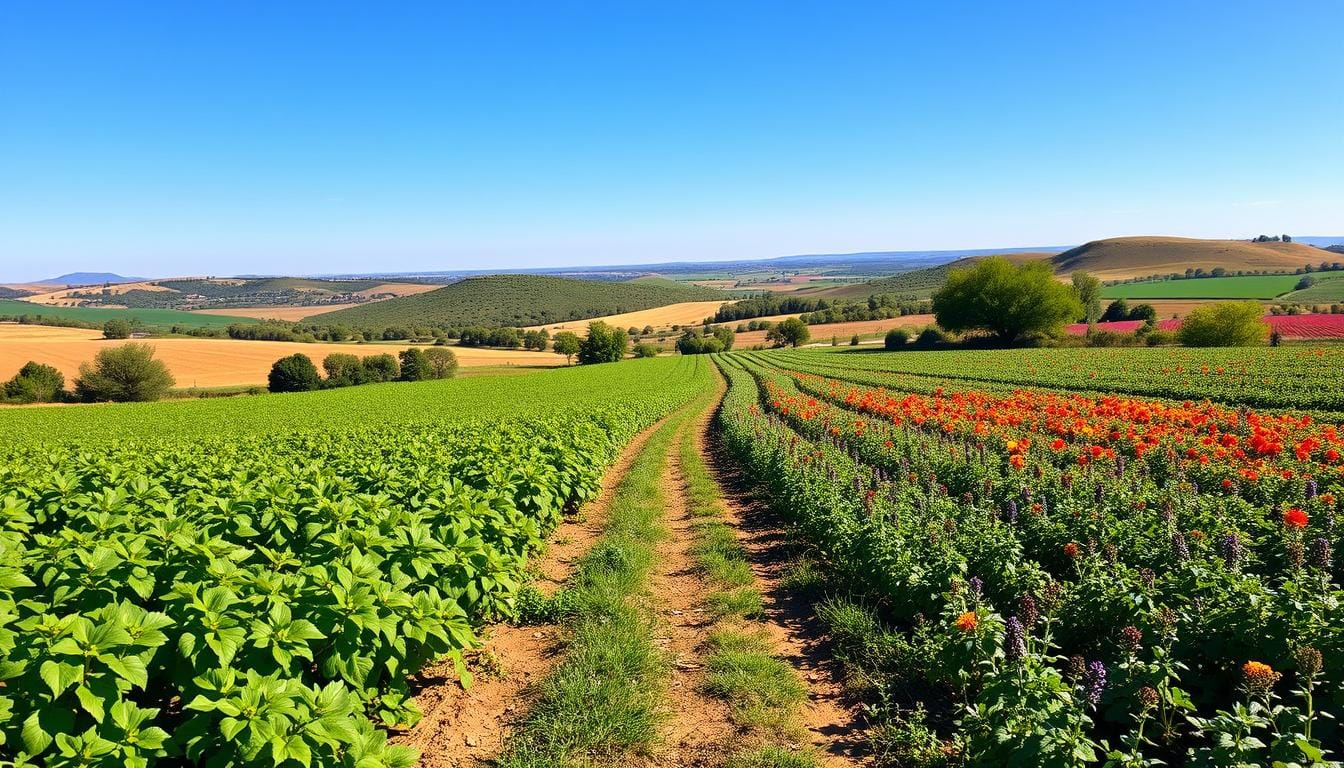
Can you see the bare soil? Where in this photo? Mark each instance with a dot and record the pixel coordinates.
(466, 727)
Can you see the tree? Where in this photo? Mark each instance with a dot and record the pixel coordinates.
(125, 373)
(1145, 312)
(343, 369)
(1286, 238)
(442, 362)
(1011, 301)
(854, 340)
(1306, 282)
(295, 373)
(117, 329)
(790, 331)
(379, 368)
(414, 364)
(35, 383)
(896, 338)
(690, 343)
(645, 350)
(566, 343)
(1088, 289)
(1116, 310)
(603, 345)
(536, 340)
(1225, 324)
(725, 335)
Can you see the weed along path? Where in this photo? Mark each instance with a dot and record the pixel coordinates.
(464, 727)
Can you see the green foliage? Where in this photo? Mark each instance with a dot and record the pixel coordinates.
(517, 300)
(379, 368)
(442, 363)
(603, 345)
(1225, 324)
(567, 343)
(645, 350)
(294, 373)
(117, 328)
(35, 383)
(896, 338)
(1088, 290)
(187, 599)
(789, 332)
(414, 364)
(343, 369)
(692, 343)
(127, 373)
(94, 317)
(1011, 301)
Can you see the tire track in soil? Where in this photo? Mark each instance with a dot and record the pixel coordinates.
(465, 728)
(834, 724)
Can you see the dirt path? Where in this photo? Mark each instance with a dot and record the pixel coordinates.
(700, 727)
(835, 726)
(465, 728)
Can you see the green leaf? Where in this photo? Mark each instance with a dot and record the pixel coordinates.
(59, 675)
(90, 702)
(129, 668)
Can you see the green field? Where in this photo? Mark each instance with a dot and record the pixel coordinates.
(1246, 287)
(517, 300)
(158, 318)
(283, 564)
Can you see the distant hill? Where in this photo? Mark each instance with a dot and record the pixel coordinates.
(919, 283)
(518, 300)
(1126, 257)
(89, 278)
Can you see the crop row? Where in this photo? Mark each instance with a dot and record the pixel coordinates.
(1064, 596)
(249, 600)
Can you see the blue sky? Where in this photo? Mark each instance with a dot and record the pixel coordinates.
(233, 137)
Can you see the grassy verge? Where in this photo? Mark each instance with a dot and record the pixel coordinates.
(763, 692)
(604, 700)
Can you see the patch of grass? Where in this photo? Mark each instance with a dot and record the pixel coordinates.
(763, 691)
(773, 757)
(720, 557)
(744, 602)
(803, 575)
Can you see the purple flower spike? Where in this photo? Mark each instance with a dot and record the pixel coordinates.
(1094, 682)
(1014, 639)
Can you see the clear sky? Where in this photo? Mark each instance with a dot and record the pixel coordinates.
(239, 136)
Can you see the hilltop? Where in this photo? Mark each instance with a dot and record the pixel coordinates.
(1122, 258)
(518, 300)
(88, 278)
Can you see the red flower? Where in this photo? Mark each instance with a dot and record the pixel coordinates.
(1071, 549)
(1295, 518)
(1057, 444)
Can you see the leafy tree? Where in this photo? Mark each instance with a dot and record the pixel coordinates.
(645, 350)
(896, 338)
(295, 373)
(790, 331)
(343, 369)
(1306, 282)
(690, 343)
(536, 340)
(1145, 312)
(725, 335)
(854, 340)
(566, 343)
(1224, 324)
(1116, 310)
(35, 383)
(442, 362)
(117, 328)
(414, 364)
(380, 368)
(1088, 289)
(125, 373)
(603, 345)
(1011, 301)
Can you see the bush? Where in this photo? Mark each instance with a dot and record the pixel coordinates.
(343, 369)
(789, 332)
(1011, 301)
(126, 373)
(295, 373)
(117, 329)
(645, 350)
(931, 336)
(1159, 338)
(896, 338)
(380, 368)
(603, 345)
(414, 365)
(854, 340)
(35, 383)
(1224, 324)
(442, 363)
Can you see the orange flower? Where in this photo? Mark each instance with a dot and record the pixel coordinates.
(1259, 677)
(968, 621)
(1071, 549)
(1017, 461)
(1295, 518)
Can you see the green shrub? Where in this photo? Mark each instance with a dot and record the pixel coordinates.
(380, 368)
(442, 362)
(1224, 324)
(343, 369)
(117, 329)
(896, 338)
(35, 383)
(603, 345)
(414, 365)
(645, 350)
(1011, 301)
(127, 373)
(295, 373)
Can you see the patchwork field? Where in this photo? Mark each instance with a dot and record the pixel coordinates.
(661, 318)
(823, 333)
(1246, 287)
(100, 315)
(211, 362)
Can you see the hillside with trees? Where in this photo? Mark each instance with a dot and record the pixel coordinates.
(517, 300)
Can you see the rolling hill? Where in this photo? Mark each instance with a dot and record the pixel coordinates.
(89, 278)
(1122, 258)
(157, 318)
(919, 283)
(517, 300)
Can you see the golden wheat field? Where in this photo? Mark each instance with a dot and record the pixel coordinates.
(685, 313)
(210, 362)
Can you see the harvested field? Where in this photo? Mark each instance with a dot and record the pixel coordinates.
(210, 362)
(822, 333)
(291, 314)
(685, 313)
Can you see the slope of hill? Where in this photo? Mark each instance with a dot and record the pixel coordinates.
(89, 278)
(158, 318)
(919, 283)
(517, 300)
(1121, 258)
